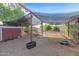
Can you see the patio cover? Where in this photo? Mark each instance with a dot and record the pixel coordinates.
(54, 18)
(59, 18)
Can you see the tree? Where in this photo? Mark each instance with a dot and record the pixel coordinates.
(1, 11)
(9, 14)
(17, 12)
(47, 27)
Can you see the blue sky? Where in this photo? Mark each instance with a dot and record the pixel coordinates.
(53, 7)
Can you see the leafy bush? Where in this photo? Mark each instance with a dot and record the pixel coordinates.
(56, 29)
(28, 30)
(47, 27)
(34, 30)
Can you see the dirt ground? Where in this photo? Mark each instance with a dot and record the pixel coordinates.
(47, 45)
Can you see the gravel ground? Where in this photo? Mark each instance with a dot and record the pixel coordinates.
(46, 46)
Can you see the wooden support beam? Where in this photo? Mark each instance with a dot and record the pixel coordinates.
(42, 28)
(78, 24)
(68, 28)
(30, 28)
(78, 27)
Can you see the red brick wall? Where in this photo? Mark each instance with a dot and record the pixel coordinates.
(10, 33)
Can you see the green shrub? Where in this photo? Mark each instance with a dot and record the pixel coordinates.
(34, 30)
(47, 27)
(28, 30)
(56, 29)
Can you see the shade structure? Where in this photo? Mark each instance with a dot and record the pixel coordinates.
(57, 18)
(18, 22)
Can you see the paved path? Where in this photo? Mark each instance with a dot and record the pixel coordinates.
(46, 46)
